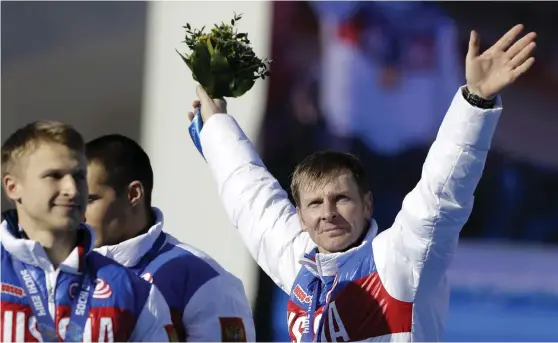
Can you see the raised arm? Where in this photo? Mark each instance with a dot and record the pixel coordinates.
(413, 255)
(254, 201)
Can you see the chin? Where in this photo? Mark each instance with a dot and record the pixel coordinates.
(338, 244)
(98, 243)
(66, 224)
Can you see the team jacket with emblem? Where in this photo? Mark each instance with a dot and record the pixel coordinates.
(123, 306)
(393, 286)
(207, 303)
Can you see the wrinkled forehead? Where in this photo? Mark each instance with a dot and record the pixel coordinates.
(332, 184)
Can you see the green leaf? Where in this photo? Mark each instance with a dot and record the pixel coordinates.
(219, 63)
(242, 87)
(185, 59)
(210, 47)
(200, 64)
(221, 84)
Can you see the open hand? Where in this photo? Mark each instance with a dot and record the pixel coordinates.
(499, 66)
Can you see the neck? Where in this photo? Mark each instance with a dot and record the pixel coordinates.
(58, 244)
(141, 225)
(360, 239)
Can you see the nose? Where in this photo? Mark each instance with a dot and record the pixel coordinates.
(69, 186)
(329, 211)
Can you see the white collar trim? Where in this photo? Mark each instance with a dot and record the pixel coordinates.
(326, 264)
(32, 253)
(129, 252)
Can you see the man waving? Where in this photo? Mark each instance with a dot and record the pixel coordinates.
(344, 282)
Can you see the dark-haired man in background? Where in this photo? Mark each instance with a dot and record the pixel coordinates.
(207, 303)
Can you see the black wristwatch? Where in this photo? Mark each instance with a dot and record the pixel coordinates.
(476, 100)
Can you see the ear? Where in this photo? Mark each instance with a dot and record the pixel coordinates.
(301, 220)
(135, 193)
(368, 203)
(11, 187)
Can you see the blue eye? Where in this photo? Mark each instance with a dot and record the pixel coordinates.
(314, 203)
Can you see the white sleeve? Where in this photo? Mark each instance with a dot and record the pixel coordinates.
(154, 322)
(219, 311)
(413, 255)
(254, 200)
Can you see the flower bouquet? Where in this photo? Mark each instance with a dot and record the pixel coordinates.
(223, 62)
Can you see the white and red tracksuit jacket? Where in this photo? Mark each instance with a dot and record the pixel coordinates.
(393, 286)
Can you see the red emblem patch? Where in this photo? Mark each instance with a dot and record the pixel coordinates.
(232, 329)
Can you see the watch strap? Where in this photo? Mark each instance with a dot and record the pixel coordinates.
(476, 100)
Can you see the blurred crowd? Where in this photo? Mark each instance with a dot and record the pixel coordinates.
(375, 79)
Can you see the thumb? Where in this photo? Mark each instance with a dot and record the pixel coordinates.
(474, 44)
(202, 94)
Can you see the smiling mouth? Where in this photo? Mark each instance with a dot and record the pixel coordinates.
(71, 207)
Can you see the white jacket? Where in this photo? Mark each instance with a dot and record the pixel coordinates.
(123, 307)
(207, 303)
(408, 261)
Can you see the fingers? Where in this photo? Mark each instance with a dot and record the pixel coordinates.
(520, 45)
(202, 94)
(517, 72)
(195, 105)
(523, 55)
(508, 38)
(474, 43)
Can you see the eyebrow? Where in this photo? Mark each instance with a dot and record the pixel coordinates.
(61, 170)
(311, 200)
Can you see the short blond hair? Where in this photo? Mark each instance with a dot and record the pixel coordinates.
(27, 138)
(323, 167)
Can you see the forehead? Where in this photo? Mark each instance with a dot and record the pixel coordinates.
(45, 156)
(341, 183)
(96, 174)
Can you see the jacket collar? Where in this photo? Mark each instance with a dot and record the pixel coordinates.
(32, 253)
(129, 252)
(327, 264)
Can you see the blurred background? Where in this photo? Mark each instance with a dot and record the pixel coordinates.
(372, 78)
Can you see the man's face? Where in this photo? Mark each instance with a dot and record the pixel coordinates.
(49, 187)
(106, 211)
(336, 214)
